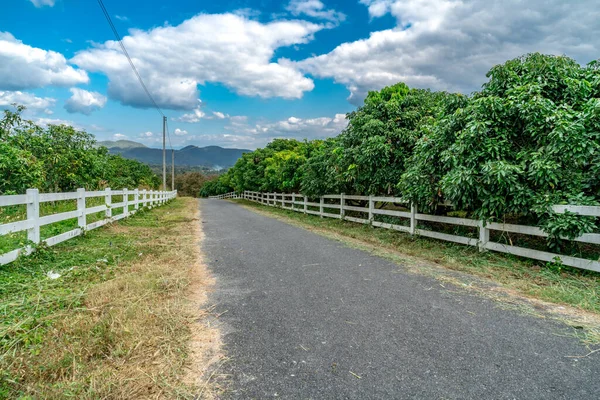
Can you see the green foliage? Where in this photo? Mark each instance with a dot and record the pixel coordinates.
(528, 140)
(60, 158)
(189, 183)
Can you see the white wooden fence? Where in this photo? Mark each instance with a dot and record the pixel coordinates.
(232, 195)
(299, 203)
(141, 199)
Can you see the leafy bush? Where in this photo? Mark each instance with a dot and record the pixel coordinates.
(60, 158)
(528, 140)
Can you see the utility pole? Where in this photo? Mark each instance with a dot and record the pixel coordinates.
(164, 153)
(172, 169)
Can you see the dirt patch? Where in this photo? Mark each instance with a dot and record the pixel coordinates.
(205, 343)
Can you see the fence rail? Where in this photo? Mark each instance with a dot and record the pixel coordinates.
(300, 203)
(32, 199)
(232, 195)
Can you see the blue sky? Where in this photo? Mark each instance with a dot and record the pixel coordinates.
(239, 73)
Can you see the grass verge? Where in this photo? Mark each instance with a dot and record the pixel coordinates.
(580, 290)
(122, 321)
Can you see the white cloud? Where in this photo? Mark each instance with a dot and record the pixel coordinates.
(119, 136)
(180, 132)
(226, 48)
(299, 128)
(146, 134)
(451, 44)
(26, 67)
(241, 133)
(55, 121)
(314, 9)
(84, 102)
(238, 118)
(42, 3)
(195, 116)
(29, 100)
(121, 18)
(219, 115)
(259, 134)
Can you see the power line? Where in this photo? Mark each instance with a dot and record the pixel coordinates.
(169, 135)
(112, 26)
(137, 74)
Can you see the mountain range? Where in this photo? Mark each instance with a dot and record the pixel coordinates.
(210, 156)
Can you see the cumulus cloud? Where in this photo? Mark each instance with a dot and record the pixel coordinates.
(42, 3)
(259, 134)
(226, 48)
(315, 9)
(119, 136)
(219, 115)
(84, 102)
(311, 128)
(241, 133)
(26, 67)
(195, 116)
(146, 134)
(451, 44)
(55, 121)
(180, 132)
(29, 100)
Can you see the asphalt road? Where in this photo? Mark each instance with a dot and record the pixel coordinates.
(305, 317)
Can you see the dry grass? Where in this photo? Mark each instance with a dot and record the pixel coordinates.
(140, 334)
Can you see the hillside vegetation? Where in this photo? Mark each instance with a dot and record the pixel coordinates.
(60, 158)
(528, 140)
(209, 157)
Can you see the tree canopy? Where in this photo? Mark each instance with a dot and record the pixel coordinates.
(528, 140)
(61, 158)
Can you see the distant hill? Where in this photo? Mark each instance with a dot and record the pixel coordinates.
(210, 156)
(120, 144)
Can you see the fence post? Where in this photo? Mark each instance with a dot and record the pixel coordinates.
(136, 199)
(33, 214)
(321, 204)
(342, 204)
(144, 199)
(484, 236)
(371, 208)
(305, 205)
(282, 200)
(81, 218)
(126, 201)
(108, 201)
(413, 218)
(293, 201)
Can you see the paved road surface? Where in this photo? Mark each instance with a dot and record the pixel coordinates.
(306, 317)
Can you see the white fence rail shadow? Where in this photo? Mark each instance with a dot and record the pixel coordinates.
(299, 203)
(33, 223)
